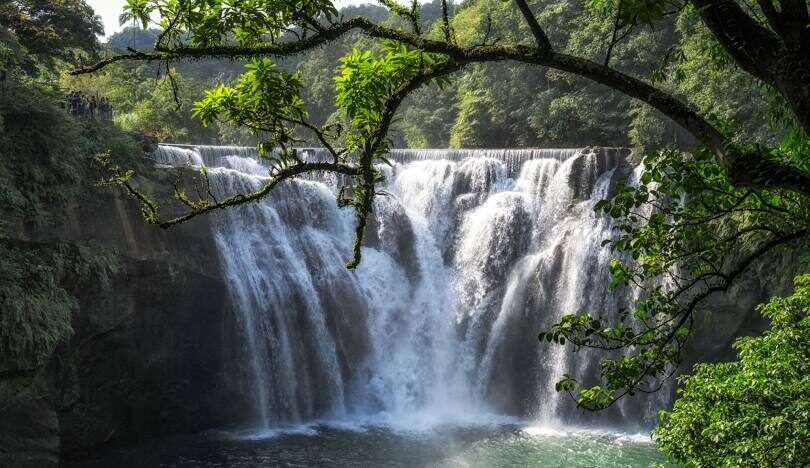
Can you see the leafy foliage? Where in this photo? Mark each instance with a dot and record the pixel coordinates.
(40, 162)
(264, 100)
(36, 310)
(365, 83)
(754, 411)
(36, 306)
(51, 29)
(207, 23)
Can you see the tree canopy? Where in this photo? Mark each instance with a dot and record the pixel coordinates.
(50, 29)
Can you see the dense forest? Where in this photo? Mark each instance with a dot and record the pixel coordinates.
(717, 127)
(486, 106)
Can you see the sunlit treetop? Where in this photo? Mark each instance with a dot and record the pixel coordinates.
(51, 29)
(207, 23)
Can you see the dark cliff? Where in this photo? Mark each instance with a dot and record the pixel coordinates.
(147, 352)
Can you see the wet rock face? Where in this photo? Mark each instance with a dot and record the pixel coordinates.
(148, 358)
(591, 164)
(148, 351)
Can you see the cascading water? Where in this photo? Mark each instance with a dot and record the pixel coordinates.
(471, 254)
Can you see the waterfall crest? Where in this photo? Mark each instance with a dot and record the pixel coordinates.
(471, 254)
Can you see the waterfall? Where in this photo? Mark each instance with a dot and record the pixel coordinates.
(467, 258)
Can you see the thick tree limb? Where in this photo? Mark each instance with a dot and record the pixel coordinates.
(376, 141)
(790, 21)
(133, 56)
(753, 47)
(782, 61)
(446, 29)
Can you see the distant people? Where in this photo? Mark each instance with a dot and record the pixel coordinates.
(84, 106)
(105, 109)
(82, 111)
(71, 103)
(77, 104)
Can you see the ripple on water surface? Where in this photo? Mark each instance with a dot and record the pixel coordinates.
(376, 446)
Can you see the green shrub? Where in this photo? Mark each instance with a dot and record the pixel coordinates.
(754, 411)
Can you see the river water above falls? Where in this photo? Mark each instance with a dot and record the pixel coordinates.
(469, 255)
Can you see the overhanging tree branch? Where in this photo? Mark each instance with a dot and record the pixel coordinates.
(753, 47)
(726, 152)
(375, 144)
(207, 205)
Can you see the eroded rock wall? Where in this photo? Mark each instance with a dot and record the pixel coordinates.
(148, 349)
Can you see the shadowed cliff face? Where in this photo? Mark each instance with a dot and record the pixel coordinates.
(149, 350)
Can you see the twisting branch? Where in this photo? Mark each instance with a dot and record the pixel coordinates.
(207, 205)
(168, 29)
(415, 17)
(375, 144)
(410, 14)
(242, 198)
(423, 77)
(310, 21)
(175, 87)
(134, 56)
(770, 12)
(781, 58)
(321, 136)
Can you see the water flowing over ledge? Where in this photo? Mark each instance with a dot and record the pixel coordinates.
(472, 254)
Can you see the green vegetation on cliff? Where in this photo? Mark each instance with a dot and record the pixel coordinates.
(46, 165)
(754, 411)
